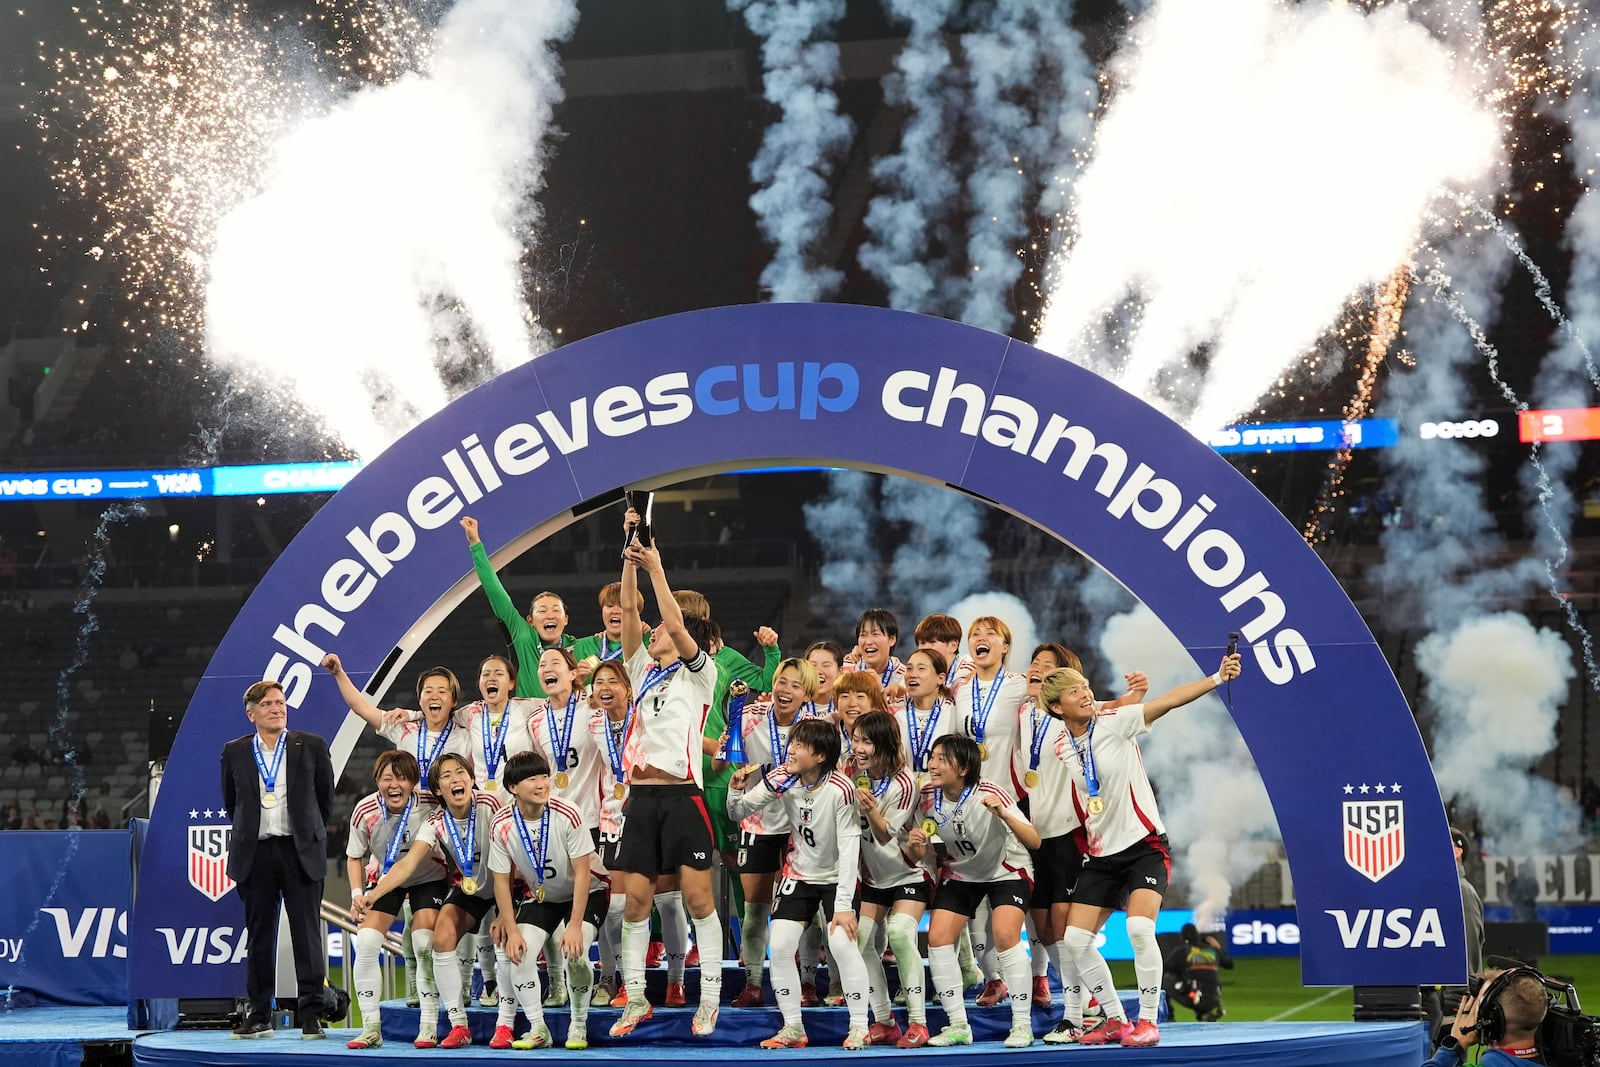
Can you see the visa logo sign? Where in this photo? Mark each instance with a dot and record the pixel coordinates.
(178, 482)
(1393, 928)
(74, 933)
(204, 945)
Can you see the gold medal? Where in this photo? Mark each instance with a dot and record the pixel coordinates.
(983, 750)
(1096, 805)
(930, 827)
(493, 786)
(1031, 779)
(863, 782)
(561, 779)
(538, 894)
(269, 800)
(469, 886)
(619, 791)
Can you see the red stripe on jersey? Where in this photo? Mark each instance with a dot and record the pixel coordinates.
(994, 790)
(1143, 818)
(566, 809)
(845, 787)
(1020, 872)
(700, 804)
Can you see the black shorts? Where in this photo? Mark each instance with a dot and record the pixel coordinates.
(425, 896)
(608, 845)
(921, 891)
(963, 897)
(1106, 881)
(666, 827)
(1056, 865)
(761, 853)
(552, 913)
(474, 906)
(799, 901)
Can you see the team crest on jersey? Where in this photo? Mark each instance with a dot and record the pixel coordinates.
(1374, 836)
(805, 814)
(208, 860)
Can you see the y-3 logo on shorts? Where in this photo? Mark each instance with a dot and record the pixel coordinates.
(699, 855)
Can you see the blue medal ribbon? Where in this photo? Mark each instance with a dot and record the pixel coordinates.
(809, 709)
(1086, 758)
(269, 778)
(606, 651)
(844, 739)
(980, 717)
(493, 756)
(539, 856)
(922, 743)
(779, 790)
(888, 673)
(938, 804)
(1035, 721)
(779, 742)
(561, 745)
(613, 748)
(392, 853)
(656, 676)
(464, 860)
(881, 786)
(426, 760)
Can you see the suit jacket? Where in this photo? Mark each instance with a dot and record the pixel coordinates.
(308, 771)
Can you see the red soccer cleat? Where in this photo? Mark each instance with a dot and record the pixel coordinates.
(675, 997)
(1109, 1032)
(884, 1034)
(693, 958)
(1041, 992)
(501, 1038)
(749, 997)
(458, 1037)
(916, 1036)
(994, 991)
(1142, 1034)
(808, 995)
(655, 954)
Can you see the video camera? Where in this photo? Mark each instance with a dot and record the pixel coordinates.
(1567, 1037)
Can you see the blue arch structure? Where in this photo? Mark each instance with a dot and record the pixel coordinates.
(768, 385)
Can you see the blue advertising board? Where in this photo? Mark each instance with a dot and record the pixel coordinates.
(383, 562)
(64, 915)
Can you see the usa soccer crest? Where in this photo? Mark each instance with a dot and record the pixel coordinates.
(1374, 836)
(208, 861)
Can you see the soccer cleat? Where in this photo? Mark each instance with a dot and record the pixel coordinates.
(538, 1037)
(1109, 1032)
(675, 997)
(655, 954)
(557, 997)
(1093, 1010)
(1041, 992)
(834, 1000)
(1142, 1034)
(1019, 1037)
(633, 1013)
(856, 1040)
(808, 995)
(458, 1037)
(365, 1039)
(693, 957)
(971, 979)
(788, 1037)
(490, 997)
(951, 1035)
(916, 1037)
(749, 997)
(621, 999)
(501, 1038)
(994, 992)
(577, 1039)
(884, 1033)
(427, 1038)
(899, 998)
(603, 992)
(705, 1020)
(1063, 1033)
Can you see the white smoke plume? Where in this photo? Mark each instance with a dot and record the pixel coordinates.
(798, 153)
(385, 248)
(844, 522)
(1496, 686)
(944, 556)
(1325, 128)
(1211, 796)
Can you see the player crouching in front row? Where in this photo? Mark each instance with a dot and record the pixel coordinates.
(539, 843)
(823, 863)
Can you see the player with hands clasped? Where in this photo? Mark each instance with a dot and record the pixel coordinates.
(1128, 858)
(983, 838)
(821, 869)
(540, 855)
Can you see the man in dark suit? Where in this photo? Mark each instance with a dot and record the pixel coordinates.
(278, 783)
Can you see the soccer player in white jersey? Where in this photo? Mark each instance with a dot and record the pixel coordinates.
(827, 659)
(942, 633)
(1128, 855)
(821, 869)
(987, 700)
(877, 632)
(612, 696)
(541, 853)
(765, 728)
(929, 711)
(382, 827)
(894, 893)
(434, 734)
(667, 827)
(983, 838)
(460, 832)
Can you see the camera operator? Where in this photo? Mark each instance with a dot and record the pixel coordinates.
(1436, 1000)
(1521, 1002)
(1192, 978)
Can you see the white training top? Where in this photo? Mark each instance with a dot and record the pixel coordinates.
(1000, 725)
(669, 721)
(569, 840)
(518, 736)
(1130, 815)
(884, 865)
(583, 760)
(372, 827)
(826, 838)
(979, 846)
(599, 725)
(1049, 802)
(931, 725)
(436, 834)
(757, 724)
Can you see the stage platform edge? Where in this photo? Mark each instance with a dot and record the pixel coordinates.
(57, 1035)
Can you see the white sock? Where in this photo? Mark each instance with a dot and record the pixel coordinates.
(506, 1009)
(467, 955)
(635, 940)
(674, 933)
(753, 932)
(810, 954)
(1071, 985)
(964, 949)
(581, 978)
(1091, 965)
(447, 974)
(902, 937)
(870, 935)
(525, 979)
(708, 936)
(1147, 965)
(1038, 959)
(785, 973)
(427, 986)
(844, 955)
(369, 943)
(485, 950)
(983, 943)
(946, 974)
(611, 938)
(1013, 963)
(555, 971)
